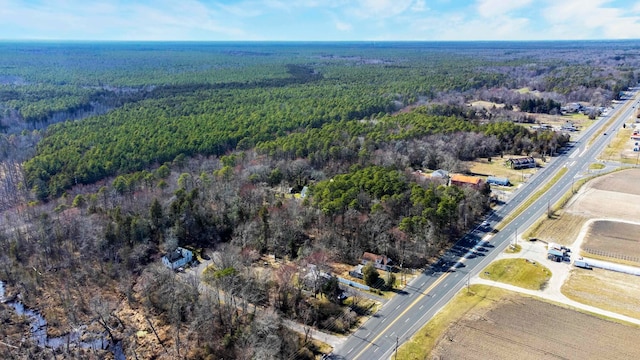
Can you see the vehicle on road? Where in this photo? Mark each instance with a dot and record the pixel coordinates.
(581, 264)
(485, 224)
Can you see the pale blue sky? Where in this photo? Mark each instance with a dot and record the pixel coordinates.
(278, 20)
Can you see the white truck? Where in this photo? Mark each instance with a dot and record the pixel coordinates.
(581, 264)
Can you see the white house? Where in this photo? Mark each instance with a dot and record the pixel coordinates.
(177, 258)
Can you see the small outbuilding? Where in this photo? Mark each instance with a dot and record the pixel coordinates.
(522, 163)
(494, 180)
(440, 174)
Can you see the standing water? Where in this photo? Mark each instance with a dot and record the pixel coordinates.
(38, 327)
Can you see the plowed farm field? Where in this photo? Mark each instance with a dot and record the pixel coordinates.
(615, 238)
(524, 328)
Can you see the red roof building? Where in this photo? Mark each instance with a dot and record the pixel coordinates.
(463, 180)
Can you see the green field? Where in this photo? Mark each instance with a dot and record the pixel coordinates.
(519, 272)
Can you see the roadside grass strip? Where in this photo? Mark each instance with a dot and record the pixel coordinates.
(514, 214)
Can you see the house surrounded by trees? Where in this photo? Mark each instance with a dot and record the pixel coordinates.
(381, 262)
(177, 258)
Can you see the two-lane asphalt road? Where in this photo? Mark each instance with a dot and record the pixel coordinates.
(402, 316)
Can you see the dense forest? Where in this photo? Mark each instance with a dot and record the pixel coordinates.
(114, 154)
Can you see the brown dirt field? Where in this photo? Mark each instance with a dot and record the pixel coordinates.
(601, 197)
(594, 203)
(621, 181)
(581, 283)
(616, 239)
(526, 328)
(563, 229)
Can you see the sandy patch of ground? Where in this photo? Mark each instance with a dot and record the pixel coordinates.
(534, 329)
(614, 238)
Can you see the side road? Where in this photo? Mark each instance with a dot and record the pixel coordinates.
(315, 334)
(564, 300)
(537, 251)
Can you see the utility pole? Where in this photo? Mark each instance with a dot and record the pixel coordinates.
(396, 356)
(572, 181)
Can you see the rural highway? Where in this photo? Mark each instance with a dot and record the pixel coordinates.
(403, 315)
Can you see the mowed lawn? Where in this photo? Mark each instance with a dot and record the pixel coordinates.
(518, 272)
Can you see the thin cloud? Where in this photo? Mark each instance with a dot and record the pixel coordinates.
(491, 8)
(164, 20)
(380, 8)
(590, 19)
(318, 19)
(342, 26)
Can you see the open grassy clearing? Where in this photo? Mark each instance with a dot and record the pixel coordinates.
(608, 290)
(513, 249)
(486, 104)
(618, 240)
(578, 117)
(497, 167)
(581, 121)
(518, 272)
(527, 328)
